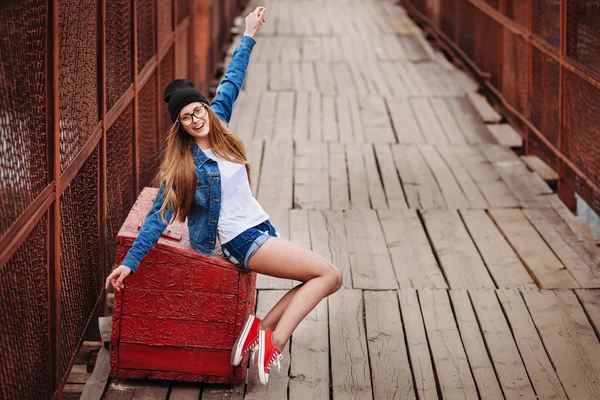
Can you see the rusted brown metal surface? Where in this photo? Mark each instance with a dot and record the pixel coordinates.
(81, 121)
(541, 60)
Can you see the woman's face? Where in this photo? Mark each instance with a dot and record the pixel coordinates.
(194, 119)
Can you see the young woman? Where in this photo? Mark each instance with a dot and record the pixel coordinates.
(205, 177)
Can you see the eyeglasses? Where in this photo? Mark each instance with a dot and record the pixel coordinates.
(187, 119)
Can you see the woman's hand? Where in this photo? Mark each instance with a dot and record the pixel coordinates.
(116, 277)
(254, 21)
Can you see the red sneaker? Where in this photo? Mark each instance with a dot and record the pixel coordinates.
(268, 355)
(247, 340)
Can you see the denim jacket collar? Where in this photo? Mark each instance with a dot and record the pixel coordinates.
(199, 157)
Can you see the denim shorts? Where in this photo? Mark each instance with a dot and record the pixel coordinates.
(239, 249)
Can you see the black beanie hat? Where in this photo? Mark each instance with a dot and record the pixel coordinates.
(179, 93)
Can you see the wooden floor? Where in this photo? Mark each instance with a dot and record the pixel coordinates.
(370, 148)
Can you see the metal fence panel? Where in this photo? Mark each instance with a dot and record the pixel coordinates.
(541, 60)
(81, 122)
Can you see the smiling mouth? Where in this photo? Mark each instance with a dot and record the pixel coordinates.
(199, 126)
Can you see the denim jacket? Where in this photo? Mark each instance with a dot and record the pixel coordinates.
(204, 213)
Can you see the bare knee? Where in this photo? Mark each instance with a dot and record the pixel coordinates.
(335, 278)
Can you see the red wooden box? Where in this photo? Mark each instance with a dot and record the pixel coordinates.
(179, 315)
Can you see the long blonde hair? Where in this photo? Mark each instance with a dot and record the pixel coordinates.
(177, 171)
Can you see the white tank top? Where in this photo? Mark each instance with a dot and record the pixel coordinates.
(239, 209)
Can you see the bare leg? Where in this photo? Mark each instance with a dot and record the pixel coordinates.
(269, 322)
(283, 259)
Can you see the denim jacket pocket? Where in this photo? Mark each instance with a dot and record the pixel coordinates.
(202, 195)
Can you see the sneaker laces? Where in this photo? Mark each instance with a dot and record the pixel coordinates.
(252, 348)
(275, 361)
(253, 351)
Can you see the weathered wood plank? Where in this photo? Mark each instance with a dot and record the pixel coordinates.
(357, 125)
(418, 182)
(329, 125)
(546, 268)
(328, 234)
(396, 84)
(209, 392)
(342, 75)
(357, 177)
(415, 50)
(405, 123)
(314, 130)
(311, 176)
(469, 121)
(418, 348)
(246, 120)
(579, 228)
(431, 128)
(506, 135)
(538, 365)
(350, 372)
(502, 262)
(366, 245)
(325, 81)
(290, 49)
(450, 189)
(412, 257)
(447, 121)
(266, 116)
(413, 87)
(469, 188)
(538, 166)
(312, 50)
(122, 389)
(300, 131)
(299, 230)
(582, 265)
(451, 365)
(376, 193)
(376, 123)
(393, 48)
(505, 355)
(390, 368)
(472, 339)
(516, 175)
(284, 116)
(487, 113)
(309, 372)
(460, 260)
(344, 119)
(97, 382)
(151, 390)
(430, 73)
(338, 177)
(309, 79)
(280, 76)
(411, 72)
(257, 78)
(389, 175)
(569, 339)
(590, 299)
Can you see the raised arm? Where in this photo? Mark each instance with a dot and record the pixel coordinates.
(151, 230)
(229, 89)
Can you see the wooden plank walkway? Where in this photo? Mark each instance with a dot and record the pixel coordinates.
(366, 148)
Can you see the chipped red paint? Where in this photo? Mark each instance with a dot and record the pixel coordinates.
(179, 314)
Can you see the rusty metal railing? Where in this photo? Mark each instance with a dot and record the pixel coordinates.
(541, 60)
(81, 120)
